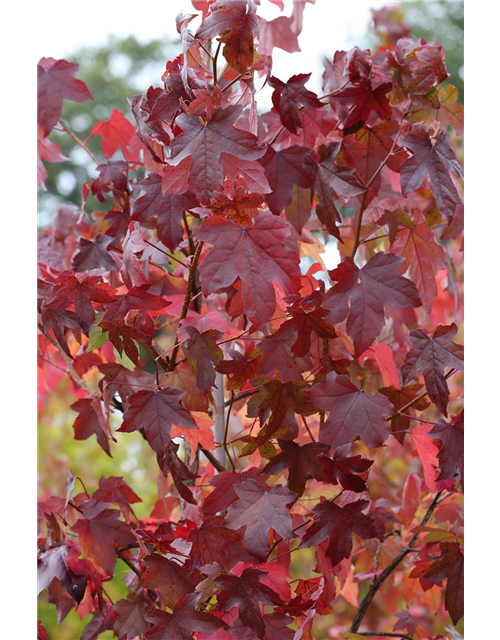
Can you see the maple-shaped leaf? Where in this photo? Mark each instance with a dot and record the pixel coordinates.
(80, 290)
(422, 255)
(288, 97)
(237, 22)
(302, 462)
(363, 98)
(58, 320)
(329, 178)
(203, 353)
(246, 592)
(337, 524)
(155, 412)
(97, 536)
(56, 82)
(101, 621)
(170, 578)
(277, 355)
(353, 412)
(341, 469)
(307, 317)
(441, 104)
(169, 462)
(284, 169)
(210, 542)
(417, 65)
(368, 149)
(275, 625)
(111, 176)
(183, 622)
(436, 158)
(400, 398)
(149, 203)
(277, 403)
(450, 567)
(54, 563)
(137, 299)
(259, 510)
(91, 421)
(257, 255)
(280, 33)
(240, 368)
(130, 622)
(167, 103)
(224, 493)
(117, 491)
(48, 151)
(93, 254)
(204, 143)
(427, 451)
(115, 133)
(431, 356)
(451, 453)
(368, 289)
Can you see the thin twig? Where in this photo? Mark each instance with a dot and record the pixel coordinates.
(187, 298)
(226, 432)
(417, 399)
(82, 144)
(380, 579)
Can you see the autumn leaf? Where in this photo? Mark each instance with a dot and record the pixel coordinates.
(247, 253)
(451, 452)
(182, 622)
(368, 289)
(288, 97)
(259, 510)
(353, 413)
(450, 567)
(56, 82)
(431, 356)
(436, 158)
(337, 524)
(204, 143)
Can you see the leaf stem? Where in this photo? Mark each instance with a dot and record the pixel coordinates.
(81, 143)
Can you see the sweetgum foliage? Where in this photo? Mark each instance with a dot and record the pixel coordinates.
(302, 422)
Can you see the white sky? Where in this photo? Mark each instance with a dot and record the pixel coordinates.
(329, 25)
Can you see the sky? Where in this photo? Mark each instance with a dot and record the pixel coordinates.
(329, 25)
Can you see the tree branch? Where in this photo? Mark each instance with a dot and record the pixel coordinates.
(380, 579)
(79, 142)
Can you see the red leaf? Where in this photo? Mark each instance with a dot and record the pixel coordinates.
(130, 622)
(247, 253)
(436, 159)
(170, 578)
(91, 421)
(204, 143)
(155, 412)
(56, 82)
(288, 97)
(260, 509)
(353, 413)
(337, 524)
(98, 535)
(203, 353)
(368, 289)
(54, 564)
(427, 452)
(431, 356)
(115, 133)
(451, 453)
(246, 592)
(302, 461)
(182, 622)
(284, 169)
(450, 567)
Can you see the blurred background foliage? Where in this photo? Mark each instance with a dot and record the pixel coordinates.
(113, 73)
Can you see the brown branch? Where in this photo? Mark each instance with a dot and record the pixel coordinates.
(211, 458)
(385, 634)
(380, 579)
(226, 432)
(81, 143)
(415, 400)
(187, 298)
